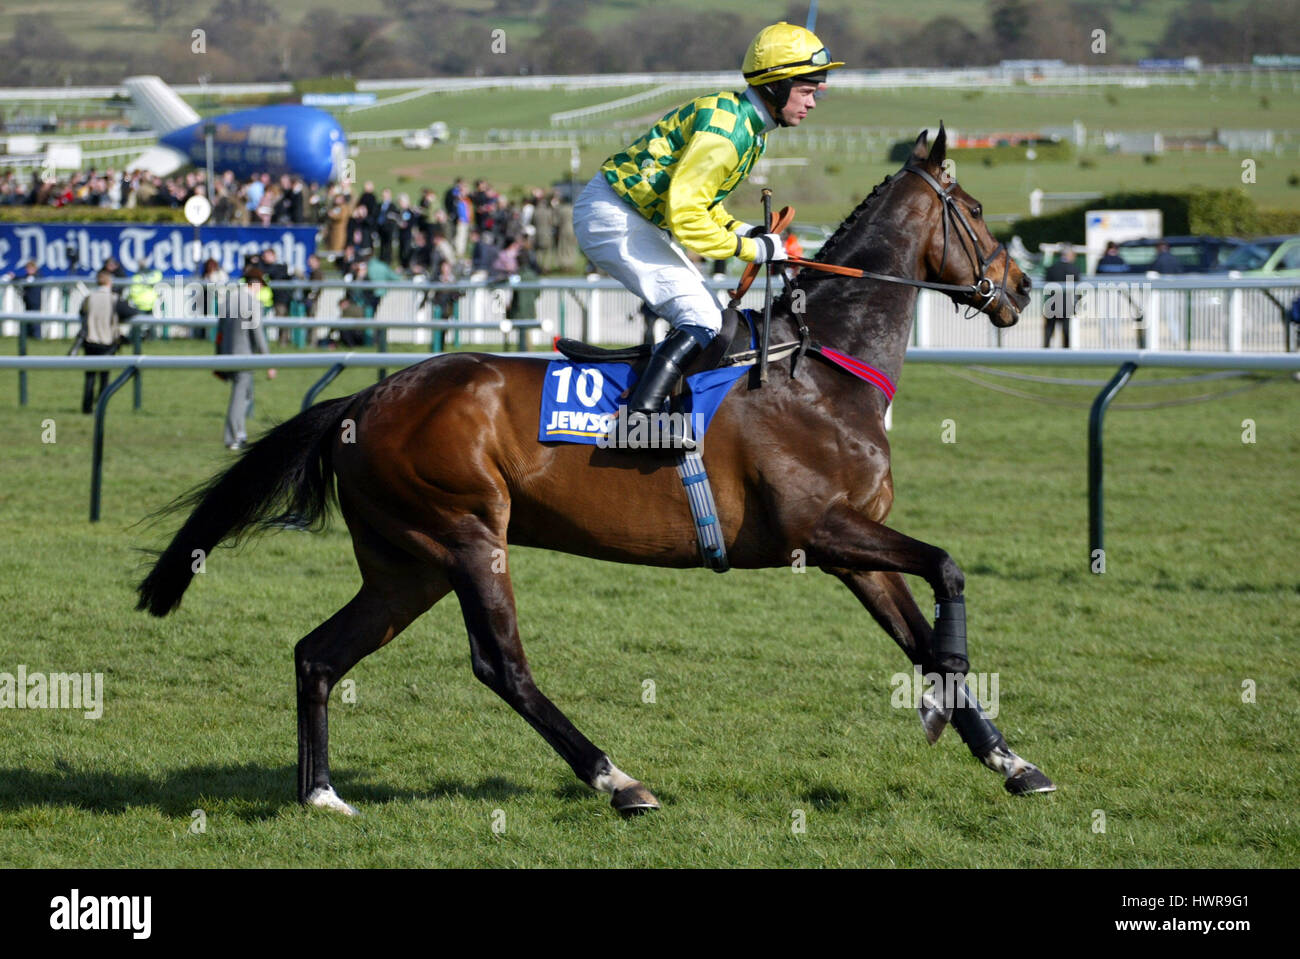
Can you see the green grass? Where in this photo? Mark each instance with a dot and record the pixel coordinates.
(1203, 107)
(772, 689)
(477, 111)
(825, 193)
(830, 187)
(836, 179)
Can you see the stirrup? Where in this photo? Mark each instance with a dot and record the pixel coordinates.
(643, 430)
(641, 424)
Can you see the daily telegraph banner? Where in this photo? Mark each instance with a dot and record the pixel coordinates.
(70, 249)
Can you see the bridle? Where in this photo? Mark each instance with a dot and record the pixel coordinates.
(982, 289)
(983, 286)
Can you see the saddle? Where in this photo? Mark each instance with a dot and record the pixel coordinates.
(734, 345)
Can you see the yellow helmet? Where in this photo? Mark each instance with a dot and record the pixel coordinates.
(783, 51)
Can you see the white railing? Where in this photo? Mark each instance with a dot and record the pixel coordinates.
(567, 116)
(383, 136)
(1129, 312)
(402, 311)
(1264, 362)
(390, 101)
(1185, 314)
(520, 146)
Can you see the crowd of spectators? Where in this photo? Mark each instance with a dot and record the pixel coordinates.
(474, 230)
(369, 235)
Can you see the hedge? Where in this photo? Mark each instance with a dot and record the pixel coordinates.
(90, 214)
(245, 101)
(1195, 212)
(325, 85)
(1272, 222)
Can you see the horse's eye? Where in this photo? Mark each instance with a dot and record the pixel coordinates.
(977, 212)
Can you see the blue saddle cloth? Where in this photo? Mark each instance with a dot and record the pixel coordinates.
(580, 400)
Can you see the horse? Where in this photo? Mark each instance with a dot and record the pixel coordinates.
(437, 469)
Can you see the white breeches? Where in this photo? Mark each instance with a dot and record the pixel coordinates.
(644, 258)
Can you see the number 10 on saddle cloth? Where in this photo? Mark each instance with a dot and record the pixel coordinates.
(580, 400)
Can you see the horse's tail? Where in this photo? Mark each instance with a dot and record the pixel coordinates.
(286, 477)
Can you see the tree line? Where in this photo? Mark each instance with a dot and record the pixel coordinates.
(255, 40)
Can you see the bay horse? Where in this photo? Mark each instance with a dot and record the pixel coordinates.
(438, 468)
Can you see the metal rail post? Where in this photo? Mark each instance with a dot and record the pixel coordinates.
(1096, 418)
(97, 457)
(22, 374)
(137, 347)
(320, 384)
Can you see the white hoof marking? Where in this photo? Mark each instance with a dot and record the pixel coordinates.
(327, 798)
(1006, 762)
(612, 781)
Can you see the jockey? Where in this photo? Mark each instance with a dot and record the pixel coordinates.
(665, 192)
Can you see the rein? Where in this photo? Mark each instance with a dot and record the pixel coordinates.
(983, 288)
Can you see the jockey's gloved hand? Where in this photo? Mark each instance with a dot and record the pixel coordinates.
(770, 248)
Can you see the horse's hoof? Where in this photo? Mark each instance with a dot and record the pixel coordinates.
(1031, 779)
(326, 798)
(633, 800)
(934, 718)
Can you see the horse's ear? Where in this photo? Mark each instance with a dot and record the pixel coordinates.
(939, 152)
(920, 152)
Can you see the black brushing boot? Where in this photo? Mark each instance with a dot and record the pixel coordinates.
(639, 429)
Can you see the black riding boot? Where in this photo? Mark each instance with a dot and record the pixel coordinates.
(639, 430)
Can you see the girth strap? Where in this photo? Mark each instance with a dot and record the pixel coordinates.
(695, 480)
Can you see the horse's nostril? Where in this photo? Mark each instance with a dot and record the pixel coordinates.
(1025, 284)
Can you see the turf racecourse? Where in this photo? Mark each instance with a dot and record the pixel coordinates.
(771, 689)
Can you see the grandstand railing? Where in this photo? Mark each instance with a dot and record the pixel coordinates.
(1193, 313)
(143, 324)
